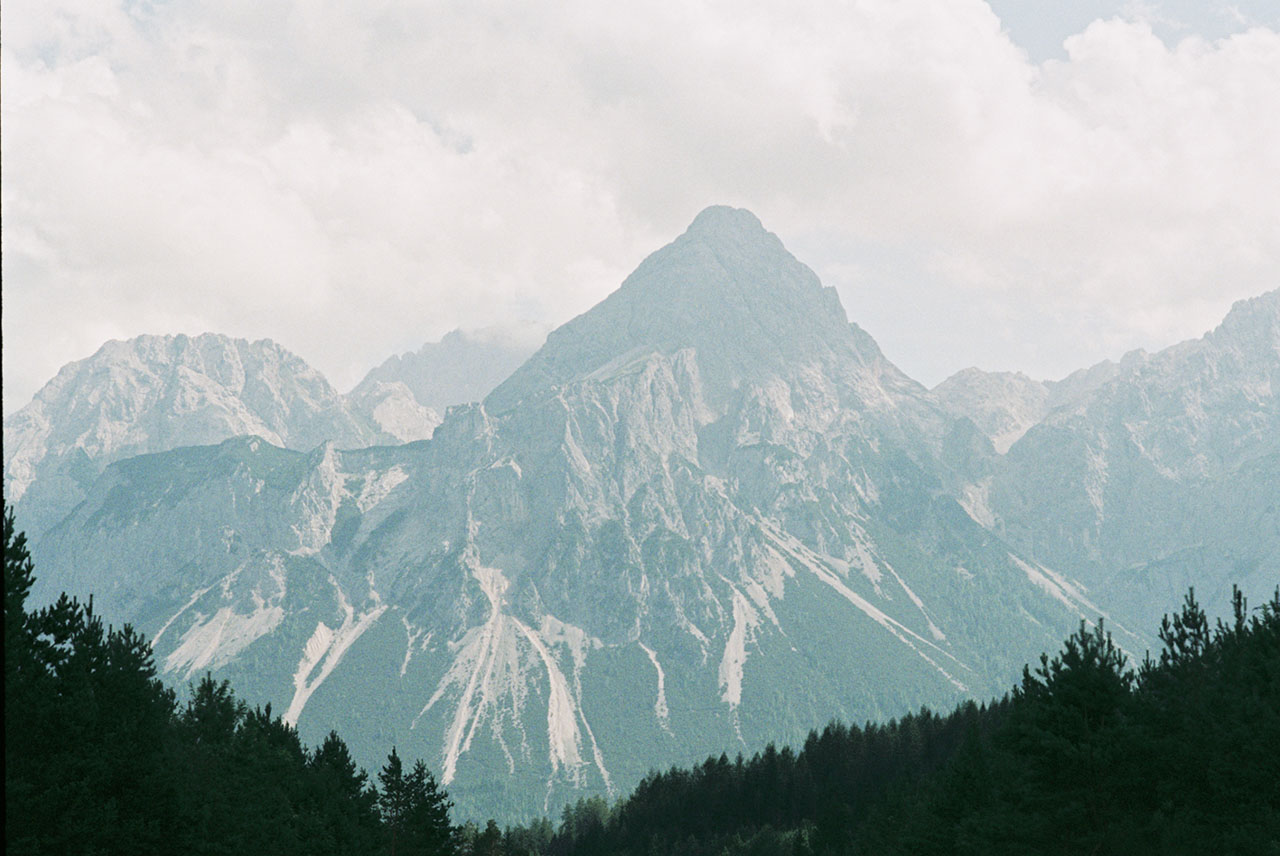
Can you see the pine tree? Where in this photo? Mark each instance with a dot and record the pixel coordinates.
(214, 713)
(86, 720)
(415, 810)
(26, 694)
(428, 821)
(394, 802)
(489, 842)
(1067, 728)
(345, 804)
(20, 655)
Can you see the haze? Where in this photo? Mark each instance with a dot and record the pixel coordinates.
(1017, 188)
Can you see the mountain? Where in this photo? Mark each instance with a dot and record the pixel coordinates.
(394, 410)
(1005, 405)
(707, 513)
(461, 368)
(1163, 476)
(155, 393)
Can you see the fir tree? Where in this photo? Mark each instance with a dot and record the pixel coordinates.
(429, 824)
(415, 810)
(394, 802)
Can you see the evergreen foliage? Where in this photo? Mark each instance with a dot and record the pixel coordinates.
(101, 759)
(415, 811)
(1086, 755)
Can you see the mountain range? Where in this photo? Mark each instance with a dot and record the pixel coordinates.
(708, 513)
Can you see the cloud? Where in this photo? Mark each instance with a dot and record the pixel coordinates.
(355, 181)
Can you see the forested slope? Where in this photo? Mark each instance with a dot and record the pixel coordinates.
(1087, 755)
(100, 758)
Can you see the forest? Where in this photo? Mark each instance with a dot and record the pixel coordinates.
(1088, 753)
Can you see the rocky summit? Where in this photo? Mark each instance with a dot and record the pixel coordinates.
(706, 514)
(156, 393)
(1165, 476)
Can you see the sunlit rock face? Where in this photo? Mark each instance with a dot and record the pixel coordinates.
(156, 393)
(392, 409)
(1166, 475)
(706, 514)
(1002, 405)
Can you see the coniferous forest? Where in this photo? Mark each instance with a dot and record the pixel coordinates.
(1089, 754)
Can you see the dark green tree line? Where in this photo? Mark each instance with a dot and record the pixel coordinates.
(100, 758)
(1086, 755)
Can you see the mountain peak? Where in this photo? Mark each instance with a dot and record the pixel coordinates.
(461, 368)
(1254, 322)
(727, 289)
(722, 220)
(737, 238)
(153, 393)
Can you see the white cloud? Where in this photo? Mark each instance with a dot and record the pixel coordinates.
(353, 182)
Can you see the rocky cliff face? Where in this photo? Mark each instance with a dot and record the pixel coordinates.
(1165, 475)
(708, 513)
(392, 408)
(1003, 405)
(155, 393)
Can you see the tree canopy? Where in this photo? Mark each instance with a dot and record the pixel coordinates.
(100, 758)
(1087, 754)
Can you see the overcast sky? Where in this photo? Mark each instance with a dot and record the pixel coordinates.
(1014, 188)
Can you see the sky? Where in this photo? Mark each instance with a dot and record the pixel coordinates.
(1027, 185)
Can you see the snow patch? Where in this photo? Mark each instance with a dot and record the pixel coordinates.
(474, 663)
(937, 634)
(777, 569)
(508, 463)
(556, 632)
(1054, 585)
(155, 640)
(1095, 479)
(683, 622)
(313, 651)
(563, 739)
(866, 561)
(489, 668)
(1072, 595)
(412, 636)
(215, 641)
(760, 598)
(975, 500)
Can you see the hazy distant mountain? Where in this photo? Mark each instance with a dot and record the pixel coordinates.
(707, 513)
(461, 368)
(155, 393)
(1165, 475)
(1005, 405)
(394, 410)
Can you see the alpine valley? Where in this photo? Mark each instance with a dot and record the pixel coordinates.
(705, 515)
